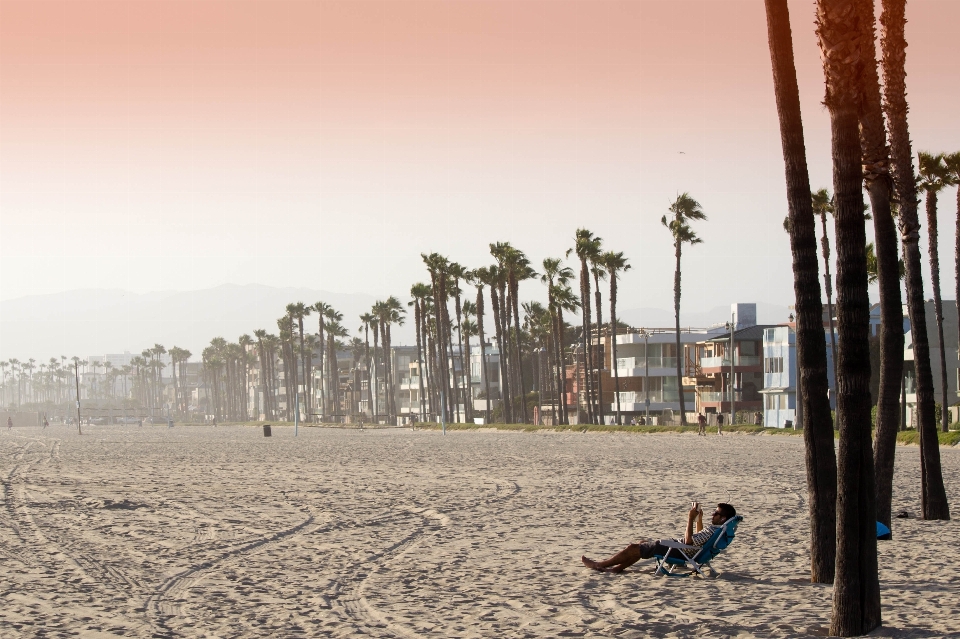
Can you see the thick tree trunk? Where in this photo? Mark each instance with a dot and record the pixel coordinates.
(813, 402)
(933, 496)
(934, 252)
(856, 591)
(876, 173)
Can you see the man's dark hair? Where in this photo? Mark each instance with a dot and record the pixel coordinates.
(728, 511)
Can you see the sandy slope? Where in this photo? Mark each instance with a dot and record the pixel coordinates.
(222, 533)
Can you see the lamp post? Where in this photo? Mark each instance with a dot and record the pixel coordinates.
(646, 374)
(732, 326)
(539, 387)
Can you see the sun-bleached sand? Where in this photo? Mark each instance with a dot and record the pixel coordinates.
(220, 532)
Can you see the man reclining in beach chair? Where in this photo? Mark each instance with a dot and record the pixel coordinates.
(683, 550)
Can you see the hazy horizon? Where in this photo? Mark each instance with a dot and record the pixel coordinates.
(152, 145)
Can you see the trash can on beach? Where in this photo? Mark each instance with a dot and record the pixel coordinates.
(266, 430)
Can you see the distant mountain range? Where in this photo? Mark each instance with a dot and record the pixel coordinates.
(98, 321)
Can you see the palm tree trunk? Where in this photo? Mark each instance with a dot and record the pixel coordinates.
(876, 162)
(828, 287)
(676, 315)
(561, 370)
(586, 357)
(933, 250)
(600, 364)
(613, 342)
(506, 411)
(483, 353)
(420, 363)
(514, 297)
(933, 496)
(856, 592)
(811, 346)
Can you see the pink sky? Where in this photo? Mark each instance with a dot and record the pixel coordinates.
(179, 144)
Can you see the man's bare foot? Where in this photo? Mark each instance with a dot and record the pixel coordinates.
(590, 563)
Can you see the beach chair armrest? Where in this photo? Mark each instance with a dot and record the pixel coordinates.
(669, 543)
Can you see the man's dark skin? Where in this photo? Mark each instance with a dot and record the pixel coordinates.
(632, 553)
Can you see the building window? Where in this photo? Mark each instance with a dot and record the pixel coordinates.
(773, 365)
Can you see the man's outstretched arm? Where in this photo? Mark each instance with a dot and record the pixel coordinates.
(694, 514)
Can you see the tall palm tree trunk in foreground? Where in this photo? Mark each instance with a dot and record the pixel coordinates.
(933, 496)
(856, 589)
(813, 402)
(879, 185)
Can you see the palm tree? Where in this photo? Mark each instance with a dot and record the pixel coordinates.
(419, 292)
(856, 594)
(261, 335)
(335, 331)
(683, 210)
(554, 275)
(823, 204)
(952, 162)
(886, 269)
(469, 329)
(437, 266)
(479, 278)
(368, 320)
(297, 312)
(586, 247)
(321, 309)
(458, 272)
(614, 263)
(934, 176)
(933, 500)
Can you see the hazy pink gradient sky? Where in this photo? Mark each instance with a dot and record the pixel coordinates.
(180, 144)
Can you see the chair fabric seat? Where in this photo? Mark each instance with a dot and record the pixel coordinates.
(678, 555)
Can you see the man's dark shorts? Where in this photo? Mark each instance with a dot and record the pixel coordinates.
(650, 548)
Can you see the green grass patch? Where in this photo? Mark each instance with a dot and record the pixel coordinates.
(626, 428)
(913, 437)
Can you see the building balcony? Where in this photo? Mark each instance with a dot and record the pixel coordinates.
(712, 397)
(741, 361)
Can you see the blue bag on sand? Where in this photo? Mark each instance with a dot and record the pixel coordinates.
(883, 532)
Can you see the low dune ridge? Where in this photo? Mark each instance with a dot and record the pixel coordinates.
(221, 532)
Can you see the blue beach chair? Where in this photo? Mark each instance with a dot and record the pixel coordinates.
(691, 558)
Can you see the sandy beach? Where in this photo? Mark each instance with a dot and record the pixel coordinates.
(220, 532)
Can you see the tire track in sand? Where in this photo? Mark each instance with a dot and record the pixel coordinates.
(159, 605)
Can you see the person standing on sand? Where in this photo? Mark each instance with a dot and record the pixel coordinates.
(647, 548)
(719, 423)
(702, 422)
(9, 422)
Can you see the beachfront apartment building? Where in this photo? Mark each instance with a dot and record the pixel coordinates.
(780, 374)
(952, 362)
(647, 369)
(714, 360)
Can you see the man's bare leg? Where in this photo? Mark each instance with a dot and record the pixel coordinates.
(626, 557)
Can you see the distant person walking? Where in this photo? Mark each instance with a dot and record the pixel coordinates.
(9, 423)
(758, 419)
(719, 423)
(702, 422)
(45, 422)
